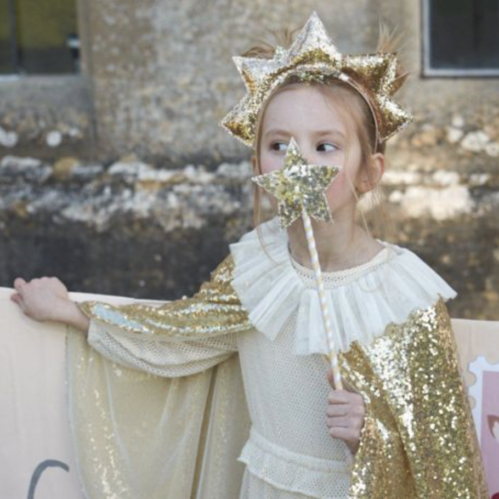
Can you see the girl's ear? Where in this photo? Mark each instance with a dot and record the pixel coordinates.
(367, 181)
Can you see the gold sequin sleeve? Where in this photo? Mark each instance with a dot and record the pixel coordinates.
(176, 338)
(418, 439)
(214, 310)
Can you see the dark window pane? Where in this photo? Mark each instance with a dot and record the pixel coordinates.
(46, 30)
(7, 62)
(464, 34)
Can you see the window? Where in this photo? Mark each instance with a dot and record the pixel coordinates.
(38, 37)
(461, 37)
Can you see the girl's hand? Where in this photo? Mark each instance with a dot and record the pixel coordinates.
(43, 299)
(345, 415)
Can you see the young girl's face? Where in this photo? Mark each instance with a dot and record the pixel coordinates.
(303, 112)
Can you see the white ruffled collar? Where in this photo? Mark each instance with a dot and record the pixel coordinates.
(362, 300)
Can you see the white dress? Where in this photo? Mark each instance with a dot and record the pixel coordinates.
(290, 454)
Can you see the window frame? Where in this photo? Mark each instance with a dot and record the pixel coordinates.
(16, 60)
(427, 71)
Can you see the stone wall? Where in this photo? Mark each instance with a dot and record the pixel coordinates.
(157, 80)
(46, 117)
(131, 229)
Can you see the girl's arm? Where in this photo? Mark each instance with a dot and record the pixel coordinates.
(174, 339)
(215, 310)
(47, 299)
(73, 316)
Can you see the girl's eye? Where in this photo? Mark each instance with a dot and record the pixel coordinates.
(275, 146)
(282, 146)
(325, 145)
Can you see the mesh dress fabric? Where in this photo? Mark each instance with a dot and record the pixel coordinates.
(289, 453)
(157, 355)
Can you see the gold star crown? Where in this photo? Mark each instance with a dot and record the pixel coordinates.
(313, 56)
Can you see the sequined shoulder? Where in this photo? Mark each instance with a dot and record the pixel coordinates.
(213, 311)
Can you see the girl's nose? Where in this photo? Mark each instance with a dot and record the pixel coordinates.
(308, 152)
(313, 157)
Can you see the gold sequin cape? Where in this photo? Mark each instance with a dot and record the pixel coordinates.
(129, 427)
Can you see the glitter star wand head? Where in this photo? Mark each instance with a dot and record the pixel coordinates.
(300, 190)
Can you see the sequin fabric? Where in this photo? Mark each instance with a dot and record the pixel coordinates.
(418, 440)
(299, 186)
(214, 311)
(140, 436)
(313, 56)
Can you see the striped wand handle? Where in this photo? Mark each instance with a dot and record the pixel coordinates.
(322, 296)
(325, 312)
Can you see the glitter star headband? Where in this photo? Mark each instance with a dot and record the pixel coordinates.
(314, 56)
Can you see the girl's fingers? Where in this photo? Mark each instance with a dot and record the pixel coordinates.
(345, 397)
(339, 397)
(16, 298)
(339, 421)
(353, 423)
(19, 282)
(338, 410)
(343, 433)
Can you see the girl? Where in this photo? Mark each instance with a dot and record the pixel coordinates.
(405, 418)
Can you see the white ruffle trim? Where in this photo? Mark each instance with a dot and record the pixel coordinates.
(294, 472)
(271, 288)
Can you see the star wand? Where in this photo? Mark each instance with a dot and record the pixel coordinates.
(300, 190)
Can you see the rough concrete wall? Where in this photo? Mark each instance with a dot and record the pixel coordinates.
(164, 94)
(126, 229)
(133, 230)
(163, 78)
(158, 78)
(46, 117)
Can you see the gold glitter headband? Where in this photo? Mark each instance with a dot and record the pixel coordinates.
(313, 56)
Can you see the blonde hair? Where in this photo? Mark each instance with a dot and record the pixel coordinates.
(345, 97)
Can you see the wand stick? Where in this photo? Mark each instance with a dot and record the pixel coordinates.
(314, 256)
(322, 298)
(300, 189)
